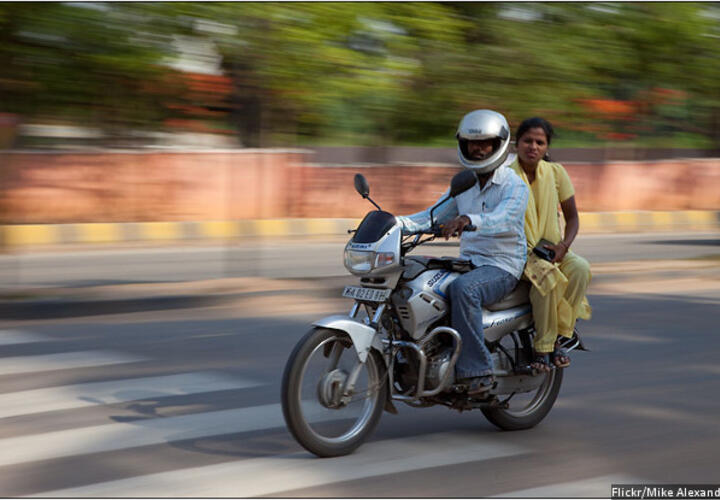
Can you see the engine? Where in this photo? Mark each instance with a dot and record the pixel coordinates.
(438, 353)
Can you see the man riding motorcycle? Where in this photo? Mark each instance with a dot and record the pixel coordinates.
(495, 205)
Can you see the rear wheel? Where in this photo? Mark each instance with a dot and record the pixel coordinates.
(528, 409)
(320, 417)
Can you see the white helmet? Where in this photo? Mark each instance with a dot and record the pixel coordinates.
(483, 124)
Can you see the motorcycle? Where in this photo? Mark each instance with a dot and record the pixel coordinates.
(397, 343)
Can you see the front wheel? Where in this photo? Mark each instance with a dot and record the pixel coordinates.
(319, 414)
(527, 410)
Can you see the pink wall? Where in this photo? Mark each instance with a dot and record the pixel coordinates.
(126, 187)
(170, 186)
(691, 184)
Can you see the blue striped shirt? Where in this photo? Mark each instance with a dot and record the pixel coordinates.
(498, 212)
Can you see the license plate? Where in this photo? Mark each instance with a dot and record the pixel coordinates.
(369, 294)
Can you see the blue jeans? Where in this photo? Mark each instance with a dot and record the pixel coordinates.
(468, 293)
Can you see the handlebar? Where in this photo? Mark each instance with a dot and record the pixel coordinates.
(437, 230)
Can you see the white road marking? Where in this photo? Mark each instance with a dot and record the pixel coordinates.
(63, 361)
(634, 338)
(141, 432)
(586, 488)
(10, 337)
(698, 368)
(270, 476)
(116, 391)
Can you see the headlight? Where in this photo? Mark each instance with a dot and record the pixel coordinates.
(358, 261)
(363, 262)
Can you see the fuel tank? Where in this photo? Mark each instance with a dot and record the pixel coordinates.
(424, 300)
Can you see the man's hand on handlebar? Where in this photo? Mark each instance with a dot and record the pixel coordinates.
(456, 226)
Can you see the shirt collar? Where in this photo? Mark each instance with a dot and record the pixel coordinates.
(497, 178)
(501, 173)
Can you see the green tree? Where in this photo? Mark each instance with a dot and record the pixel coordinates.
(376, 73)
(92, 64)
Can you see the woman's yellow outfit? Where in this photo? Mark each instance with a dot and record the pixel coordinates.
(558, 292)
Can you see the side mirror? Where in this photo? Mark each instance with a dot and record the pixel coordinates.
(362, 186)
(461, 182)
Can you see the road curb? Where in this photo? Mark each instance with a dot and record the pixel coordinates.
(20, 235)
(23, 235)
(648, 221)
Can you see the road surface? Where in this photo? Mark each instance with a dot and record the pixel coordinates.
(289, 258)
(185, 403)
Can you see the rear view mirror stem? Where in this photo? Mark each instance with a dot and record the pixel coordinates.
(363, 188)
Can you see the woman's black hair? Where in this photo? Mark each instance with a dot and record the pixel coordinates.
(536, 122)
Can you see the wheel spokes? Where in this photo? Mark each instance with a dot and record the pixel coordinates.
(327, 373)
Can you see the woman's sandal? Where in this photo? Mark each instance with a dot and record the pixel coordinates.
(559, 357)
(541, 363)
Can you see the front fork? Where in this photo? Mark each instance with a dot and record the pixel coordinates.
(355, 373)
(362, 333)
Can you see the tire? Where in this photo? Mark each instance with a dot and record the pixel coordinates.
(310, 393)
(528, 415)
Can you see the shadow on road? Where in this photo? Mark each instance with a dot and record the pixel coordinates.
(706, 242)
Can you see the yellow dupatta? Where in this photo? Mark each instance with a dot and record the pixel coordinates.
(542, 222)
(543, 199)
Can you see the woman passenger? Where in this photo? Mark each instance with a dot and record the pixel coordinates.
(558, 292)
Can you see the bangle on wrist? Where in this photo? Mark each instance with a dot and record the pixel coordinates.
(567, 247)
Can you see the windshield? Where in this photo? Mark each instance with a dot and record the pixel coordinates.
(374, 226)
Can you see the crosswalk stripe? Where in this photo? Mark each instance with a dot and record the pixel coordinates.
(116, 391)
(249, 478)
(10, 337)
(595, 487)
(63, 361)
(141, 432)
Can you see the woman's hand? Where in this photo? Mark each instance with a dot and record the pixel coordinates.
(560, 251)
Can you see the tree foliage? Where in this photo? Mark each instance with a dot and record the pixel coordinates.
(376, 73)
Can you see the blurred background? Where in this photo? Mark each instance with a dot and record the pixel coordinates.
(175, 194)
(376, 74)
(134, 111)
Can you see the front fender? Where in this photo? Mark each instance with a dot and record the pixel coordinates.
(363, 337)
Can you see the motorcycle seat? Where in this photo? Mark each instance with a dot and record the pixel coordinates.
(446, 263)
(520, 295)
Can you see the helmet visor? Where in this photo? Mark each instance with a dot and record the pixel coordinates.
(479, 149)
